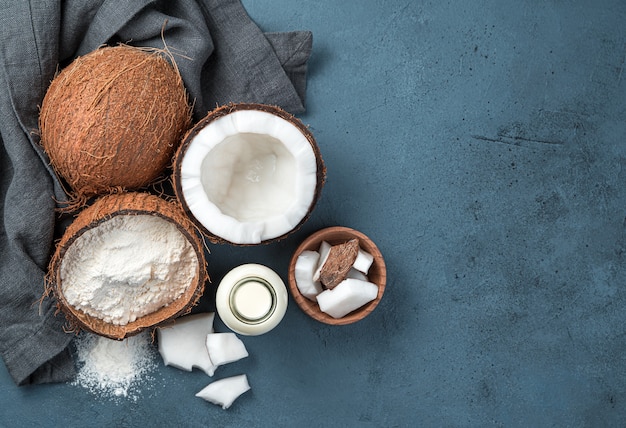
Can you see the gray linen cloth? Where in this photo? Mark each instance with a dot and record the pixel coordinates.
(223, 57)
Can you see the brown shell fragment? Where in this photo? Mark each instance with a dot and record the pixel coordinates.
(340, 259)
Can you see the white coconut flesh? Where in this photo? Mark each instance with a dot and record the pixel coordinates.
(249, 176)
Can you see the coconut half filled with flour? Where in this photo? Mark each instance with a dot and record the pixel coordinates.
(248, 174)
(127, 262)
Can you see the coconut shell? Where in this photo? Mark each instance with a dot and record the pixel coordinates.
(103, 209)
(340, 259)
(113, 118)
(226, 110)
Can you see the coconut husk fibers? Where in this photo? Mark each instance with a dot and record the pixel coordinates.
(226, 110)
(113, 118)
(103, 209)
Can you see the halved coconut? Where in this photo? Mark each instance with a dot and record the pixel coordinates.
(113, 118)
(248, 174)
(127, 262)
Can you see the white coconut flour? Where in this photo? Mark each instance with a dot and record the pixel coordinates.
(127, 267)
(114, 369)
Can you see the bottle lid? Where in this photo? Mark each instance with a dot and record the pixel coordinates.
(251, 299)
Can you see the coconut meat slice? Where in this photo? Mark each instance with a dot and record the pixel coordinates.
(249, 176)
(225, 348)
(225, 391)
(182, 342)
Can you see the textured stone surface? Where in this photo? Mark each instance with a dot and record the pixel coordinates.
(481, 145)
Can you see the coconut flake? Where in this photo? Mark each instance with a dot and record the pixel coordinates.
(349, 295)
(306, 264)
(182, 343)
(324, 250)
(353, 273)
(225, 391)
(363, 261)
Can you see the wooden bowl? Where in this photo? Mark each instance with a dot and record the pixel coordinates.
(377, 273)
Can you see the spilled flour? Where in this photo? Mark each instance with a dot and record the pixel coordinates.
(114, 369)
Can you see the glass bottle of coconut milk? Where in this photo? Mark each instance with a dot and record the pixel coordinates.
(251, 299)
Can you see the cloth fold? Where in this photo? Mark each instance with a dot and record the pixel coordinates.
(223, 57)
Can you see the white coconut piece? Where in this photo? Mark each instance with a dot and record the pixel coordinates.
(182, 343)
(225, 391)
(324, 250)
(356, 274)
(225, 348)
(363, 261)
(305, 267)
(249, 176)
(348, 295)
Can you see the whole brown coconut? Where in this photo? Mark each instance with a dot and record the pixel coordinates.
(90, 244)
(248, 174)
(113, 118)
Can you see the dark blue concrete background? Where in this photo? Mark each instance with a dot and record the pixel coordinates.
(482, 145)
